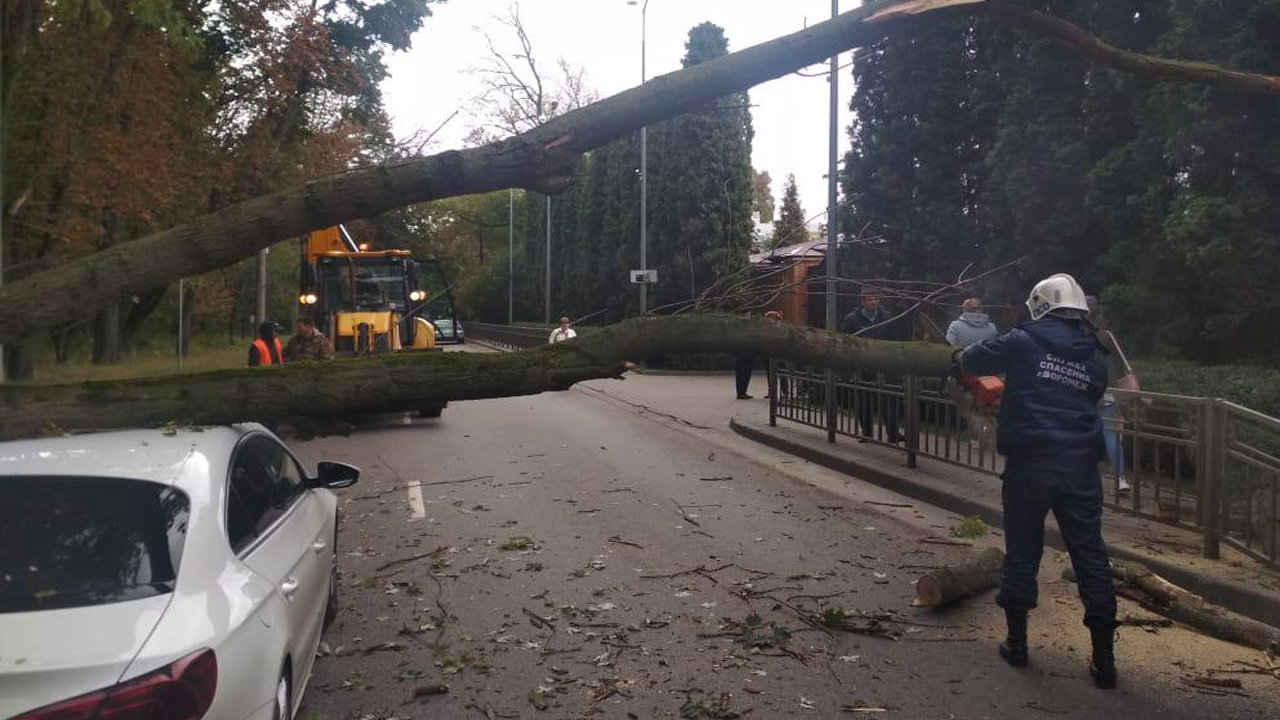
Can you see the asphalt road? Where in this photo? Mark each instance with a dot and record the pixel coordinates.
(565, 553)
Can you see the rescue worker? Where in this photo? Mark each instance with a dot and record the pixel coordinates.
(265, 349)
(307, 343)
(1051, 437)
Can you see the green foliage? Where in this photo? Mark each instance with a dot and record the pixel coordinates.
(969, 528)
(790, 228)
(1253, 386)
(975, 143)
(754, 633)
(833, 616)
(698, 707)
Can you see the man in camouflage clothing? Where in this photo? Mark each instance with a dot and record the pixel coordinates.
(308, 344)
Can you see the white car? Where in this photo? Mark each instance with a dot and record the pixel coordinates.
(152, 574)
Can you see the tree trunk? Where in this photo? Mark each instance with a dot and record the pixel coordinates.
(106, 335)
(61, 339)
(941, 588)
(20, 365)
(1179, 604)
(139, 311)
(319, 394)
(541, 159)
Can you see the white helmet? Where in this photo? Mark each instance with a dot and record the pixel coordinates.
(1057, 292)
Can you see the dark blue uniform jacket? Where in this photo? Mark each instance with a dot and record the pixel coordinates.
(1055, 372)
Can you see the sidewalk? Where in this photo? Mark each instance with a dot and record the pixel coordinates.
(1236, 582)
(707, 403)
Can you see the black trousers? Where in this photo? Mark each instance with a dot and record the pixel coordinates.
(743, 365)
(873, 404)
(1075, 497)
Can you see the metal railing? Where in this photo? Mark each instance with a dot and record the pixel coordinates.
(1203, 464)
(506, 337)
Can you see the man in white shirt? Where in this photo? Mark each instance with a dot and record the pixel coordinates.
(562, 333)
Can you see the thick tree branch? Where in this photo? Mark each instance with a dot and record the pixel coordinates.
(541, 159)
(322, 393)
(1102, 53)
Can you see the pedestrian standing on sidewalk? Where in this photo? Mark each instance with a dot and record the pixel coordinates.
(1055, 374)
(562, 333)
(873, 323)
(1120, 376)
(973, 326)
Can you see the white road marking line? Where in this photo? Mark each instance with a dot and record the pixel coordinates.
(417, 508)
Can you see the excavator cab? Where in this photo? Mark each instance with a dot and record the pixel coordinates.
(366, 301)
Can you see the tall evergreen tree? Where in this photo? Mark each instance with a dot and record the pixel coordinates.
(790, 227)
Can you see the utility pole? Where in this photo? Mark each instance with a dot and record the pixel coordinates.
(260, 308)
(548, 302)
(511, 256)
(181, 318)
(832, 257)
(2, 372)
(831, 183)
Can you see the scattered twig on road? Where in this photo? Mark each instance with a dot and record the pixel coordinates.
(1217, 682)
(831, 507)
(429, 690)
(414, 558)
(684, 514)
(704, 571)
(1209, 689)
(621, 489)
(716, 479)
(406, 486)
(940, 541)
(888, 504)
(1033, 705)
(538, 621)
(617, 540)
(456, 482)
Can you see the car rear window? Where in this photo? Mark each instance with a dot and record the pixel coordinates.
(77, 541)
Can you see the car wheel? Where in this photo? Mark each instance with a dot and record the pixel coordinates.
(283, 701)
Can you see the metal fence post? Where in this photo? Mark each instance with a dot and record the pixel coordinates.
(831, 406)
(912, 397)
(772, 377)
(1212, 438)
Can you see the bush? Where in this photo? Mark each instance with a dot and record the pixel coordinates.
(1255, 387)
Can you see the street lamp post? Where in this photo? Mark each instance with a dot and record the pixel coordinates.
(511, 255)
(644, 167)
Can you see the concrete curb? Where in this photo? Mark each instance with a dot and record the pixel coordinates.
(1233, 596)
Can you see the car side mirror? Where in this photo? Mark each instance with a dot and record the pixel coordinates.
(335, 475)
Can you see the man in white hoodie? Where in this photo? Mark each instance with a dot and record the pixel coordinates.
(972, 327)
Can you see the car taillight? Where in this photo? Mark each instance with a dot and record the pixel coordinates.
(181, 690)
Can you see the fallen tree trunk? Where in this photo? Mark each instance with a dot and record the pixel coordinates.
(953, 583)
(542, 159)
(1181, 605)
(314, 395)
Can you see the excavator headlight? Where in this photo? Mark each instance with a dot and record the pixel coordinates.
(308, 299)
(417, 296)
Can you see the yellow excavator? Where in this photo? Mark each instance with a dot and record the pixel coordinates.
(372, 301)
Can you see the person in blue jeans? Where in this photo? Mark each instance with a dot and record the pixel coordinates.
(1050, 434)
(1120, 376)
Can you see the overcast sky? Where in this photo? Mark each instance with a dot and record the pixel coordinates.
(603, 36)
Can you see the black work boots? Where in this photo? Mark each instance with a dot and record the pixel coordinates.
(1014, 647)
(1103, 665)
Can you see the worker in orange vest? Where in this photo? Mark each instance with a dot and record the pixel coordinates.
(265, 349)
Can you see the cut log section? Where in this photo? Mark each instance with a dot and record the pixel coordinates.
(1157, 594)
(953, 583)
